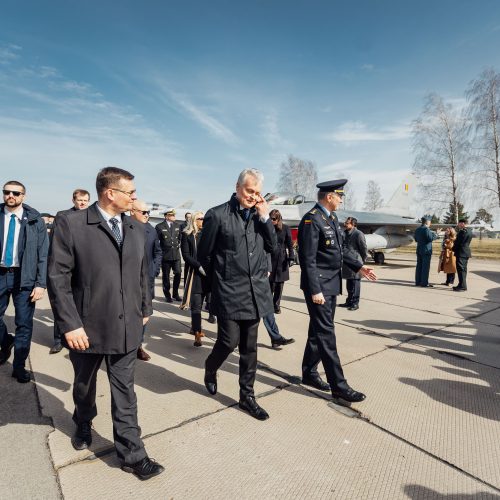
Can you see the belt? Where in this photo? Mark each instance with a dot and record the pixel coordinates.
(9, 269)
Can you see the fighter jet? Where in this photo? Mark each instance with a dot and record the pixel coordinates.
(387, 228)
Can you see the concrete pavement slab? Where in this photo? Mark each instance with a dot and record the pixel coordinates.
(305, 450)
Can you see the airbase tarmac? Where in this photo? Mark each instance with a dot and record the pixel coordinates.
(428, 360)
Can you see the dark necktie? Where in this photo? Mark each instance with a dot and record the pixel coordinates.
(116, 231)
(9, 246)
(245, 213)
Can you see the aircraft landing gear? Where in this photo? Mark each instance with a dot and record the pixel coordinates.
(379, 258)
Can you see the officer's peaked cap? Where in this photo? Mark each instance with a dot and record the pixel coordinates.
(171, 211)
(335, 186)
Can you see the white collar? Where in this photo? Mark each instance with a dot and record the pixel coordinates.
(18, 212)
(108, 217)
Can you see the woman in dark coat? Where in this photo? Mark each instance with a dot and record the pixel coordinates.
(195, 274)
(280, 259)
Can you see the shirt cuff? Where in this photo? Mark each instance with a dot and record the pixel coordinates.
(264, 219)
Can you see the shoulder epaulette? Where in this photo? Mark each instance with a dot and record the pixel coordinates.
(313, 211)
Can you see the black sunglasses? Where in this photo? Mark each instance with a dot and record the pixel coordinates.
(199, 218)
(14, 193)
(274, 218)
(144, 212)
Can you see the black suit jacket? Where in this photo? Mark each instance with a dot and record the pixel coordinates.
(355, 244)
(170, 240)
(190, 255)
(320, 254)
(94, 284)
(233, 254)
(284, 253)
(461, 247)
(153, 251)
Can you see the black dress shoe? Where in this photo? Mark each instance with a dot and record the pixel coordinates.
(252, 408)
(353, 308)
(345, 304)
(282, 341)
(349, 395)
(277, 310)
(169, 299)
(82, 438)
(211, 382)
(144, 469)
(177, 298)
(56, 348)
(6, 349)
(316, 382)
(212, 319)
(459, 289)
(22, 375)
(428, 286)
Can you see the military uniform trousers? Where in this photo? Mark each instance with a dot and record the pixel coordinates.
(321, 343)
(353, 291)
(232, 334)
(120, 369)
(462, 272)
(175, 267)
(422, 269)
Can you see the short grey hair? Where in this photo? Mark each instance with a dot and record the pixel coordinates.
(257, 174)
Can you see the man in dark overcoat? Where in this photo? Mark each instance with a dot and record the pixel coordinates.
(424, 238)
(354, 243)
(169, 235)
(236, 236)
(461, 249)
(99, 291)
(320, 255)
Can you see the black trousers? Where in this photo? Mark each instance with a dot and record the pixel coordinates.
(196, 303)
(353, 291)
(232, 334)
(277, 289)
(462, 272)
(321, 343)
(175, 267)
(450, 278)
(120, 369)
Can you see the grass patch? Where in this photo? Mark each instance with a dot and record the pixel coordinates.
(487, 248)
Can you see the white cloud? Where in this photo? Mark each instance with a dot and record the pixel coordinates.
(338, 166)
(9, 53)
(367, 67)
(272, 134)
(355, 131)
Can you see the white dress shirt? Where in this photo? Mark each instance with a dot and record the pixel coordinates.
(261, 218)
(108, 217)
(18, 217)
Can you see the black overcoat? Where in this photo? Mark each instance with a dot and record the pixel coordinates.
(94, 284)
(280, 258)
(233, 253)
(320, 254)
(461, 247)
(153, 251)
(189, 254)
(354, 243)
(170, 240)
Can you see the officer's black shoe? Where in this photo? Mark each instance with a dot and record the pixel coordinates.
(56, 348)
(316, 382)
(6, 349)
(459, 289)
(212, 319)
(144, 469)
(177, 298)
(282, 341)
(349, 395)
(427, 286)
(345, 304)
(353, 308)
(211, 382)
(21, 375)
(82, 438)
(252, 408)
(169, 299)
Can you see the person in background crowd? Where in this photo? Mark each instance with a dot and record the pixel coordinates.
(354, 242)
(232, 251)
(447, 261)
(196, 286)
(99, 292)
(461, 249)
(185, 224)
(170, 241)
(24, 244)
(81, 199)
(424, 238)
(281, 259)
(140, 212)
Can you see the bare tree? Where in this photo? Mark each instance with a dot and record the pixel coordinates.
(373, 198)
(483, 95)
(441, 148)
(298, 176)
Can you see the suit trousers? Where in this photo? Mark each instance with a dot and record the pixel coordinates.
(241, 334)
(462, 272)
(277, 289)
(271, 326)
(422, 269)
(353, 291)
(175, 267)
(321, 343)
(120, 369)
(23, 316)
(196, 303)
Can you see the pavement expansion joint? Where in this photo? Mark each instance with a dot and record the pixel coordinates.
(345, 410)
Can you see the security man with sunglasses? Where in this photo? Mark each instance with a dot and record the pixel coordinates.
(320, 254)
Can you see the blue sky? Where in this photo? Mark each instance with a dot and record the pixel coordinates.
(187, 94)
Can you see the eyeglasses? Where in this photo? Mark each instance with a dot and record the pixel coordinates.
(274, 219)
(199, 218)
(13, 193)
(144, 212)
(128, 193)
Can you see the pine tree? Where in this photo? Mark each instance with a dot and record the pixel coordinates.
(454, 214)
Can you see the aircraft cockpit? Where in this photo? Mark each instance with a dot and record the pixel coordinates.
(284, 199)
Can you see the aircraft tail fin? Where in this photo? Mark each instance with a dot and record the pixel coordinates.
(402, 199)
(186, 204)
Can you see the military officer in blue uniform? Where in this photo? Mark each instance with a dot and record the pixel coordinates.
(320, 254)
(424, 238)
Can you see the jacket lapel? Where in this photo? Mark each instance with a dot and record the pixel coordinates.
(2, 219)
(95, 217)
